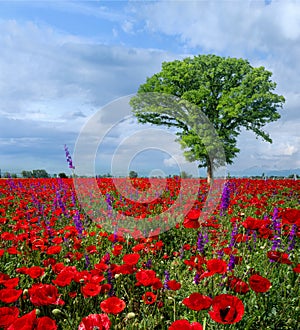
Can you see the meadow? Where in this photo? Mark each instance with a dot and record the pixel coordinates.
(70, 265)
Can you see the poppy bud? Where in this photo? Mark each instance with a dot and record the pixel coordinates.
(57, 312)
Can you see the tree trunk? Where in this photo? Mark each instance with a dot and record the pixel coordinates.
(210, 177)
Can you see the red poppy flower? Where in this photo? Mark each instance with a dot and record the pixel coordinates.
(45, 322)
(91, 249)
(255, 224)
(113, 305)
(49, 261)
(91, 290)
(54, 250)
(95, 321)
(6, 236)
(124, 269)
(58, 267)
(216, 266)
(131, 259)
(238, 285)
(281, 257)
(117, 249)
(145, 277)
(13, 250)
(3, 278)
(7, 316)
(290, 216)
(157, 284)
(83, 276)
(21, 270)
(105, 288)
(11, 283)
(191, 220)
(227, 309)
(10, 295)
(185, 325)
(259, 283)
(44, 294)
(27, 321)
(173, 285)
(197, 301)
(297, 269)
(149, 298)
(65, 277)
(35, 272)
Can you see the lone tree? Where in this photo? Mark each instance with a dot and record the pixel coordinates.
(228, 91)
(133, 174)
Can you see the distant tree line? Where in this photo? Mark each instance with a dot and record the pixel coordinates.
(41, 173)
(35, 174)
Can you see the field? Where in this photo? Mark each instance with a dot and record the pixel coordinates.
(70, 259)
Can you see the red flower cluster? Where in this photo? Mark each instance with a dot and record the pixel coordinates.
(10, 321)
(148, 278)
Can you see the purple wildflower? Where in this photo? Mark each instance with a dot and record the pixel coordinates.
(200, 242)
(197, 278)
(277, 230)
(181, 255)
(69, 158)
(107, 258)
(231, 262)
(167, 279)
(233, 234)
(78, 224)
(110, 281)
(292, 236)
(87, 261)
(225, 199)
(220, 254)
(149, 263)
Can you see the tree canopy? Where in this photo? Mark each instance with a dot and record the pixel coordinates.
(229, 92)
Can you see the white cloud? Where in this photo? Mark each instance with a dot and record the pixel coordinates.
(289, 20)
(127, 26)
(41, 66)
(51, 82)
(224, 26)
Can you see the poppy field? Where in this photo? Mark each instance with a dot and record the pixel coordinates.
(62, 268)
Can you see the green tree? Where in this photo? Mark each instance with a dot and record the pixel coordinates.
(228, 91)
(40, 174)
(63, 175)
(185, 175)
(27, 174)
(133, 174)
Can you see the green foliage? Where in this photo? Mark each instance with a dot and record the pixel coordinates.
(35, 174)
(228, 91)
(185, 175)
(133, 174)
(62, 175)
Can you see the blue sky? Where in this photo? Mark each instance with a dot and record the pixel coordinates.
(63, 61)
